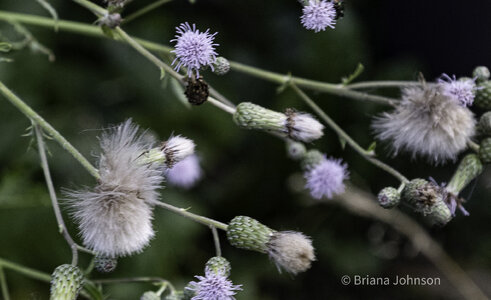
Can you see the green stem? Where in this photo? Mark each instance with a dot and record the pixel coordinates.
(197, 218)
(342, 134)
(37, 119)
(216, 239)
(475, 147)
(129, 279)
(382, 84)
(95, 31)
(144, 10)
(25, 270)
(3, 285)
(94, 8)
(52, 195)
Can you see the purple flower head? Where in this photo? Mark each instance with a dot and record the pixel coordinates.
(194, 49)
(213, 286)
(462, 90)
(326, 178)
(185, 173)
(318, 15)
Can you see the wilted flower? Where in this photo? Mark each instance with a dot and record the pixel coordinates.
(318, 15)
(115, 218)
(185, 173)
(462, 90)
(427, 122)
(194, 49)
(326, 178)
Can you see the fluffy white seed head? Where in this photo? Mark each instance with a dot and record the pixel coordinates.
(176, 149)
(291, 251)
(427, 123)
(115, 217)
(303, 127)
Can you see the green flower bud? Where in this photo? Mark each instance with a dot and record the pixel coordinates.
(222, 66)
(481, 73)
(485, 151)
(483, 95)
(440, 214)
(389, 197)
(469, 168)
(246, 233)
(485, 123)
(105, 264)
(66, 282)
(295, 150)
(150, 296)
(422, 195)
(311, 159)
(218, 265)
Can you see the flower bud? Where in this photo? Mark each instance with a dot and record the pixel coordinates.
(469, 168)
(246, 233)
(170, 152)
(485, 151)
(422, 195)
(295, 125)
(150, 295)
(105, 264)
(295, 150)
(485, 123)
(311, 159)
(66, 282)
(389, 197)
(218, 265)
(483, 95)
(481, 73)
(222, 66)
(110, 20)
(440, 215)
(291, 251)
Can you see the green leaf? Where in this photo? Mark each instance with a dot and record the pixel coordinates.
(343, 142)
(162, 73)
(371, 148)
(359, 69)
(51, 11)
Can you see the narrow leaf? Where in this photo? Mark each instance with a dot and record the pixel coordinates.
(51, 11)
(359, 69)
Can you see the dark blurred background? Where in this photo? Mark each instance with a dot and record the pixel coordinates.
(97, 82)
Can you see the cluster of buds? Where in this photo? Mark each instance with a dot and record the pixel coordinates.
(295, 125)
(290, 250)
(483, 92)
(66, 282)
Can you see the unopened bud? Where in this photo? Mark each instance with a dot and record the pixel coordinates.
(66, 282)
(483, 95)
(219, 266)
(481, 73)
(105, 264)
(311, 159)
(485, 124)
(222, 66)
(485, 151)
(295, 150)
(389, 197)
(469, 168)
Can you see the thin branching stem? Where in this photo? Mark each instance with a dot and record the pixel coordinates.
(144, 10)
(382, 84)
(368, 155)
(216, 240)
(129, 279)
(47, 128)
(3, 285)
(24, 270)
(52, 195)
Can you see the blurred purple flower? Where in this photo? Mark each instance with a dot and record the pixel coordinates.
(318, 15)
(213, 286)
(194, 49)
(186, 173)
(461, 90)
(326, 178)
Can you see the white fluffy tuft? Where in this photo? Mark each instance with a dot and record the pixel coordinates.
(291, 250)
(427, 123)
(115, 218)
(305, 128)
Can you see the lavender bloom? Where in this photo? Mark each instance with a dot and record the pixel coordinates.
(326, 178)
(318, 15)
(185, 173)
(460, 90)
(194, 49)
(213, 286)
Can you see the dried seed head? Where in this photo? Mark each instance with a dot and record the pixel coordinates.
(291, 251)
(66, 282)
(197, 91)
(389, 197)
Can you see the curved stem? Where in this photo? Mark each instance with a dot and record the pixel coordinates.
(3, 285)
(52, 195)
(474, 146)
(197, 218)
(222, 106)
(25, 270)
(144, 10)
(38, 120)
(216, 240)
(382, 84)
(342, 134)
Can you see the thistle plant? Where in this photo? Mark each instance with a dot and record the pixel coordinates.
(115, 213)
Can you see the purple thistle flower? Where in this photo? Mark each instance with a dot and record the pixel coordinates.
(326, 178)
(185, 173)
(460, 90)
(194, 49)
(213, 286)
(318, 15)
